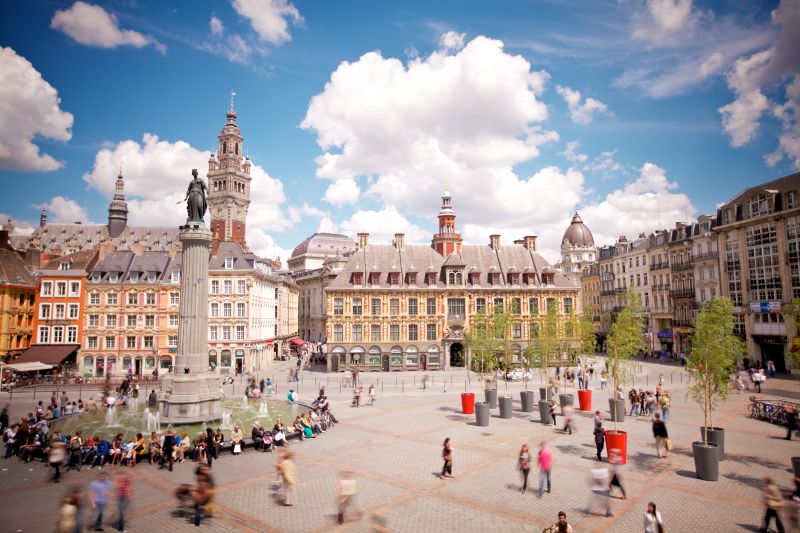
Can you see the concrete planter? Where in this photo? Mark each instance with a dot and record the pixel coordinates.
(506, 406)
(706, 461)
(796, 466)
(526, 398)
(715, 436)
(617, 410)
(481, 414)
(565, 400)
(544, 412)
(491, 397)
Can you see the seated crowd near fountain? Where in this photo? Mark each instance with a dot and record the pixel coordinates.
(31, 437)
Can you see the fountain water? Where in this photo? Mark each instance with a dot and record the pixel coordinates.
(244, 401)
(263, 409)
(111, 417)
(226, 419)
(133, 404)
(151, 421)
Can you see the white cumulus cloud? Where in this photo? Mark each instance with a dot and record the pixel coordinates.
(64, 210)
(665, 20)
(465, 119)
(571, 153)
(452, 40)
(580, 112)
(638, 207)
(382, 225)
(269, 18)
(217, 29)
(29, 108)
(157, 173)
(92, 25)
(341, 192)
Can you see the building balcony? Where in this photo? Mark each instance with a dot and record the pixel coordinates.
(660, 287)
(607, 293)
(682, 266)
(452, 236)
(682, 323)
(659, 266)
(708, 256)
(682, 293)
(620, 290)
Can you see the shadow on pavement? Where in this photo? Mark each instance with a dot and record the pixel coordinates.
(750, 481)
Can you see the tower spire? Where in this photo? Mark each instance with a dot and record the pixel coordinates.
(118, 208)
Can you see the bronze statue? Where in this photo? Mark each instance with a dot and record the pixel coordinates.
(196, 204)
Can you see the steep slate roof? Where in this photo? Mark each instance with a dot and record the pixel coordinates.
(75, 237)
(241, 260)
(782, 185)
(13, 271)
(113, 262)
(474, 258)
(149, 262)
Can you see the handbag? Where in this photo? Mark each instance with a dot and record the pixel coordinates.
(669, 444)
(237, 448)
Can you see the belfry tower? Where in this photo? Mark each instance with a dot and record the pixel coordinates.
(447, 241)
(229, 184)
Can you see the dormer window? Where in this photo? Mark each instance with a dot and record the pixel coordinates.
(151, 277)
(134, 277)
(474, 278)
(513, 279)
(113, 277)
(96, 276)
(229, 263)
(64, 265)
(494, 278)
(175, 277)
(374, 278)
(455, 277)
(529, 279)
(411, 278)
(393, 278)
(430, 278)
(357, 278)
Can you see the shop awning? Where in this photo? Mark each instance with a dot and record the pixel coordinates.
(297, 341)
(49, 354)
(27, 367)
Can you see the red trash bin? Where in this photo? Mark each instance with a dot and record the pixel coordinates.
(585, 399)
(617, 446)
(468, 403)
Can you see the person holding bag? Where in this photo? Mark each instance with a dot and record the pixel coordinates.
(524, 463)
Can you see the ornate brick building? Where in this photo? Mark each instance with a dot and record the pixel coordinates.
(405, 306)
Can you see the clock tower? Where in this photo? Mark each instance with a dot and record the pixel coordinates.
(229, 184)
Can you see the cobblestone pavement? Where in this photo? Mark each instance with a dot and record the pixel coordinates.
(394, 450)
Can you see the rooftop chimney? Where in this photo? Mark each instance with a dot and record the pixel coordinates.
(519, 242)
(494, 242)
(530, 242)
(363, 240)
(399, 240)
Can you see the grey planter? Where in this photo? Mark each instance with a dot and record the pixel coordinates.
(706, 461)
(491, 397)
(715, 436)
(544, 412)
(506, 406)
(526, 398)
(565, 400)
(481, 414)
(796, 466)
(617, 410)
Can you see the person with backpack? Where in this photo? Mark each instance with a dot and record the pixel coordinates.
(599, 438)
(75, 446)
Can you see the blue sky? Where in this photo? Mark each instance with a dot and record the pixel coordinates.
(358, 114)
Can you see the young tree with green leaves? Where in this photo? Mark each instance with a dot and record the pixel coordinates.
(479, 339)
(625, 341)
(715, 349)
(544, 347)
(793, 312)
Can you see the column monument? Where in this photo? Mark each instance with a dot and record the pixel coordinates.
(191, 392)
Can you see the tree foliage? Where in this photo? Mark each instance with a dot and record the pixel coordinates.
(793, 312)
(625, 340)
(480, 338)
(544, 348)
(715, 349)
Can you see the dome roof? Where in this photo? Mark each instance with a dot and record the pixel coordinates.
(577, 234)
(325, 244)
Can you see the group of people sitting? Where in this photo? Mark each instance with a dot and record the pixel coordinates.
(305, 426)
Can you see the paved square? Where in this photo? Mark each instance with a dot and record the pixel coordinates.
(394, 450)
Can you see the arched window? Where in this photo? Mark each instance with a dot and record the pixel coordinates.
(237, 148)
(224, 148)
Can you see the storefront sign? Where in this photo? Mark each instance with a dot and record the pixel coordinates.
(664, 335)
(765, 307)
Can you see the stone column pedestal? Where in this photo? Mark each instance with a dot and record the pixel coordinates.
(191, 393)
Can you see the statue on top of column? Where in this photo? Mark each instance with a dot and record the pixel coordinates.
(196, 203)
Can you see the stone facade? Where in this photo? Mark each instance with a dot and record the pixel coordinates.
(17, 288)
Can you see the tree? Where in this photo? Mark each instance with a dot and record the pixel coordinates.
(479, 338)
(625, 341)
(715, 348)
(545, 345)
(793, 312)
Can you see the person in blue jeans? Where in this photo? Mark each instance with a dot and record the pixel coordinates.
(99, 489)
